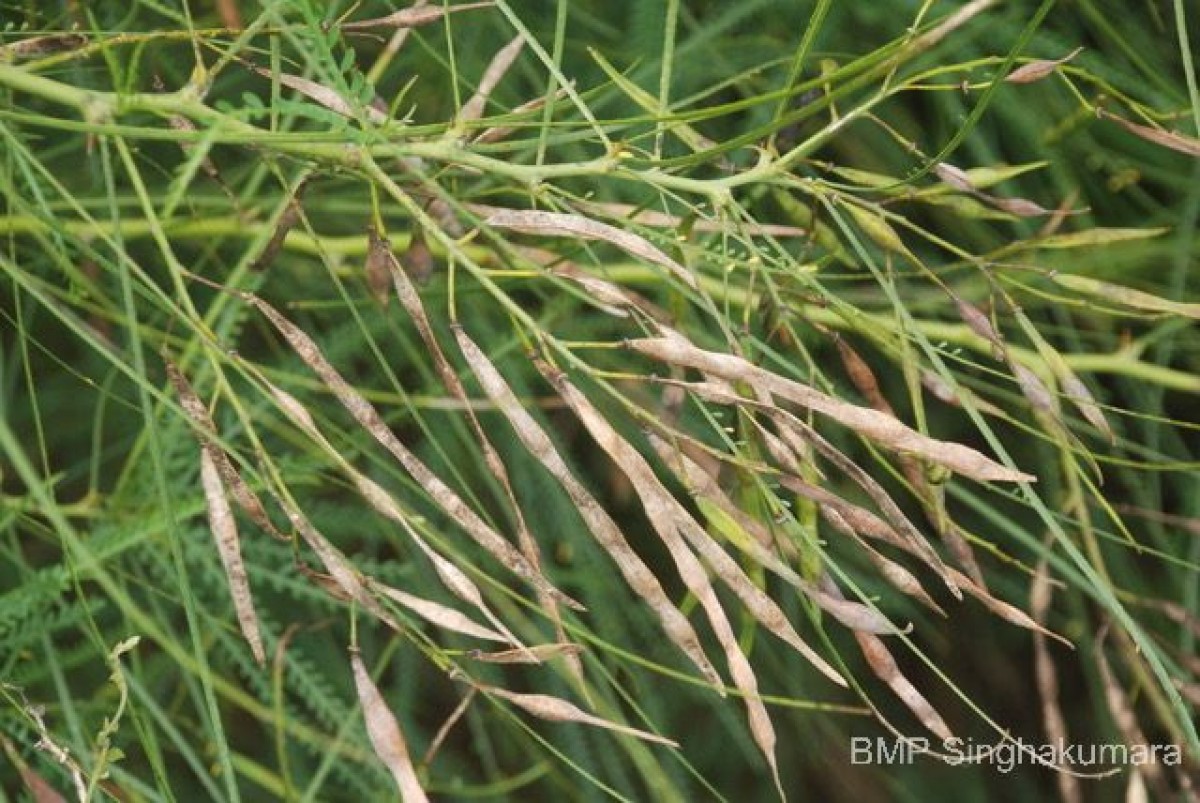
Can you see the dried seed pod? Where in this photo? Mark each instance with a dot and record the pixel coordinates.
(559, 224)
(884, 666)
(906, 534)
(411, 300)
(1037, 70)
(662, 220)
(765, 610)
(1070, 383)
(864, 379)
(42, 46)
(1021, 207)
(288, 218)
(412, 17)
(862, 376)
(981, 325)
(418, 260)
(497, 133)
(326, 96)
(496, 70)
(368, 417)
(1008, 613)
(197, 412)
(900, 577)
(453, 578)
(871, 423)
(225, 534)
(556, 709)
(850, 614)
(1033, 388)
(438, 614)
(670, 520)
(956, 177)
(343, 574)
(879, 659)
(1168, 139)
(1083, 400)
(639, 576)
(384, 731)
(1047, 681)
(378, 267)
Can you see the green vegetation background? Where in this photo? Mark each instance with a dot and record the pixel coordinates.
(826, 117)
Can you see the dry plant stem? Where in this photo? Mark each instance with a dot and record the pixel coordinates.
(1040, 593)
(446, 727)
(104, 106)
(1123, 713)
(40, 790)
(60, 755)
(367, 417)
(542, 652)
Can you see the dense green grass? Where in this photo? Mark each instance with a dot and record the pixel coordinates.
(778, 183)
